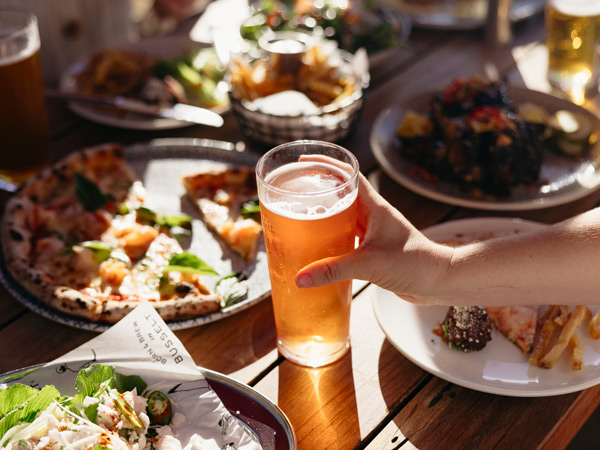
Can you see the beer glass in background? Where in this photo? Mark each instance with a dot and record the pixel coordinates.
(573, 37)
(308, 209)
(24, 141)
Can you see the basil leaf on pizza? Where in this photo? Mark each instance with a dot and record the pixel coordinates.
(89, 194)
(188, 263)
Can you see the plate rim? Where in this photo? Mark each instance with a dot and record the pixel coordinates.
(88, 112)
(481, 386)
(27, 299)
(498, 205)
(241, 388)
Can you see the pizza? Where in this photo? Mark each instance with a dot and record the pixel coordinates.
(517, 323)
(227, 199)
(80, 237)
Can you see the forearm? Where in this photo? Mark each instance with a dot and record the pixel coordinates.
(557, 265)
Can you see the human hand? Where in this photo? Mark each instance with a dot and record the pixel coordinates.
(392, 253)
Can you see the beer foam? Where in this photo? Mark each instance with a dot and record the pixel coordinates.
(578, 8)
(6, 59)
(308, 191)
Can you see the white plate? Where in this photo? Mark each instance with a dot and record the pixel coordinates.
(255, 412)
(500, 368)
(165, 48)
(565, 179)
(160, 164)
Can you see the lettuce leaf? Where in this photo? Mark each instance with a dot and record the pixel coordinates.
(14, 396)
(94, 380)
(29, 409)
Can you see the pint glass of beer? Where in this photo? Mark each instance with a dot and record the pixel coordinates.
(307, 192)
(24, 144)
(573, 37)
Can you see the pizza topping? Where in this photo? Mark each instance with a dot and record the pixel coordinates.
(89, 194)
(232, 288)
(251, 208)
(189, 263)
(136, 240)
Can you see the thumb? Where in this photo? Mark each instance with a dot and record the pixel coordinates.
(327, 271)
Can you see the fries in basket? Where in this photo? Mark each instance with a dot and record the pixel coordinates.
(556, 330)
(316, 78)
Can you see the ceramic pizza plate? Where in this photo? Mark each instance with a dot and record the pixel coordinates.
(500, 368)
(160, 165)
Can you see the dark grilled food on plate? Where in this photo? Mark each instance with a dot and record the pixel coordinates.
(467, 328)
(473, 136)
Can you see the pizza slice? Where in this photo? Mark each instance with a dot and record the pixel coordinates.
(221, 195)
(517, 323)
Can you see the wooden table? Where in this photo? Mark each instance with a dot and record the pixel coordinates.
(373, 398)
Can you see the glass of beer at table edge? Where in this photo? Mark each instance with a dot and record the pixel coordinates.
(24, 137)
(309, 211)
(573, 39)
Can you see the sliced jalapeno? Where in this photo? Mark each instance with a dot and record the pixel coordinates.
(128, 413)
(159, 408)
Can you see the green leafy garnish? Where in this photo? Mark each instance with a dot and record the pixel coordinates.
(189, 263)
(182, 221)
(232, 289)
(101, 251)
(148, 216)
(250, 208)
(27, 408)
(145, 215)
(89, 194)
(122, 209)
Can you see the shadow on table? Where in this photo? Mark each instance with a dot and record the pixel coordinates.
(329, 414)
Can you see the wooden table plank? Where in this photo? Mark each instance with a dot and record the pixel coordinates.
(33, 339)
(444, 415)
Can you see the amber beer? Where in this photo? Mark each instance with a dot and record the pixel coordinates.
(573, 36)
(23, 122)
(308, 211)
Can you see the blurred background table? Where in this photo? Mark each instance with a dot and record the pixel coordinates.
(374, 398)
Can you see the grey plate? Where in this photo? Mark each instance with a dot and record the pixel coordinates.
(448, 15)
(256, 413)
(565, 179)
(160, 164)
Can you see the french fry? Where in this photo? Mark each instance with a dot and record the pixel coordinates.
(575, 319)
(544, 339)
(576, 352)
(563, 315)
(594, 327)
(316, 77)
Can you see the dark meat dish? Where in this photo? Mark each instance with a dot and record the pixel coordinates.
(467, 328)
(476, 139)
